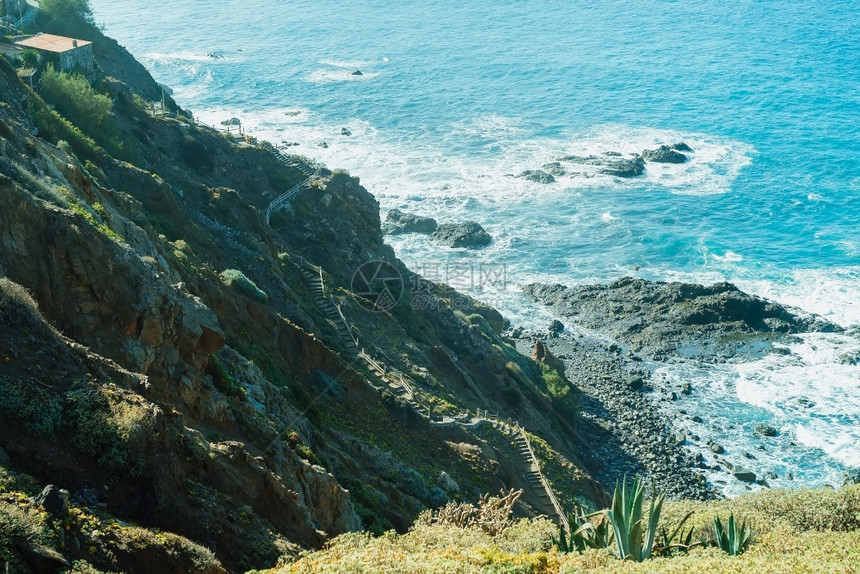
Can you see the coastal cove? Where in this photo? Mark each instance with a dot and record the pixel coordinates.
(441, 128)
(509, 288)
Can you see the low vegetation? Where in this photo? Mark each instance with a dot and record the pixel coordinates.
(234, 277)
(795, 531)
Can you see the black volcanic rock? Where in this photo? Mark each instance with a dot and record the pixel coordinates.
(537, 176)
(554, 168)
(665, 154)
(468, 234)
(610, 164)
(714, 322)
(401, 222)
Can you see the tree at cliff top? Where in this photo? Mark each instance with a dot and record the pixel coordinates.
(67, 17)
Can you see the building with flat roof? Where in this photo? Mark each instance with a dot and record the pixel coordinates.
(73, 53)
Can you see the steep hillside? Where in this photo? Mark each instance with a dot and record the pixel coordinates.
(180, 364)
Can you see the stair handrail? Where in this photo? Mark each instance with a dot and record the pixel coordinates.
(558, 509)
(286, 196)
(346, 324)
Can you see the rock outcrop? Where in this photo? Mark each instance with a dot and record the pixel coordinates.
(397, 222)
(469, 235)
(610, 164)
(537, 176)
(715, 322)
(665, 154)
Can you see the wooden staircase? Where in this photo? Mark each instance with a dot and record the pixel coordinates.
(287, 196)
(396, 384)
(316, 284)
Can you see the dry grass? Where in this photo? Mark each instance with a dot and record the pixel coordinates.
(17, 306)
(492, 515)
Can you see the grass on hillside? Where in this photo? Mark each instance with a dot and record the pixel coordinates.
(794, 531)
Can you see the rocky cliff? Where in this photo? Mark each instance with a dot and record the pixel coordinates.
(179, 365)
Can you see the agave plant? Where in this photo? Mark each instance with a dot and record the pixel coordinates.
(664, 546)
(587, 534)
(635, 532)
(734, 538)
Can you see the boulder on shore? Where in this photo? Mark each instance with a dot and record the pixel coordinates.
(468, 234)
(401, 222)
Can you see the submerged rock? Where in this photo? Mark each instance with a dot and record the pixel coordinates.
(554, 168)
(851, 358)
(664, 154)
(610, 164)
(537, 176)
(356, 73)
(468, 234)
(765, 430)
(232, 122)
(401, 222)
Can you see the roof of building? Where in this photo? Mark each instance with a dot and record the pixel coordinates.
(52, 43)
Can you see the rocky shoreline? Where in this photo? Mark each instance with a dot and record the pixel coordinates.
(628, 433)
(618, 334)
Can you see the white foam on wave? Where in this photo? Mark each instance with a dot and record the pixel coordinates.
(607, 217)
(178, 58)
(328, 76)
(833, 293)
(343, 71)
(815, 443)
(814, 388)
(346, 64)
(711, 168)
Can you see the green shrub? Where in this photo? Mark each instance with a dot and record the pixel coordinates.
(110, 427)
(95, 215)
(54, 127)
(231, 277)
(77, 101)
(68, 17)
(37, 409)
(561, 393)
(30, 58)
(222, 380)
(585, 533)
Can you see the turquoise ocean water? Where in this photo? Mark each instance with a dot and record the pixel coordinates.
(454, 97)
